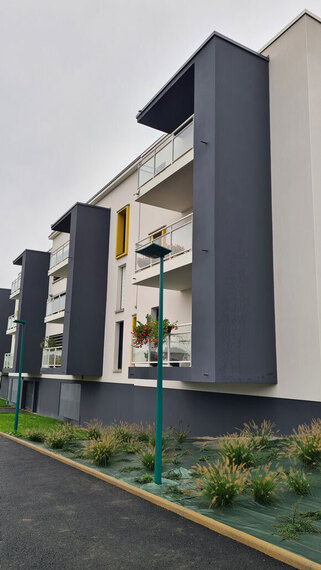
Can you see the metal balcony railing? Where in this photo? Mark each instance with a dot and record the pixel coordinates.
(56, 304)
(59, 255)
(176, 349)
(169, 150)
(51, 357)
(11, 324)
(8, 360)
(177, 237)
(15, 286)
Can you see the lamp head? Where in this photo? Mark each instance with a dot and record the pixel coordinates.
(153, 250)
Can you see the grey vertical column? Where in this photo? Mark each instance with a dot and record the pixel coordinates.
(233, 301)
(32, 307)
(84, 322)
(203, 269)
(6, 309)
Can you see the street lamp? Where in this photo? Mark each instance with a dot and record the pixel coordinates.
(16, 415)
(155, 251)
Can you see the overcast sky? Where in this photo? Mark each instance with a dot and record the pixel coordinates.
(74, 74)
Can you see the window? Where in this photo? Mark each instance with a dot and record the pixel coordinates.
(134, 322)
(121, 288)
(122, 226)
(157, 236)
(119, 345)
(154, 313)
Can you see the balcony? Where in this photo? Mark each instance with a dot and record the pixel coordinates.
(176, 349)
(51, 357)
(55, 310)
(8, 360)
(11, 326)
(169, 167)
(59, 261)
(178, 237)
(15, 287)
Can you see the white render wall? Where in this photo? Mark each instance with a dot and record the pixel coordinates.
(139, 300)
(295, 115)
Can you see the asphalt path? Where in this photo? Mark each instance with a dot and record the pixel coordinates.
(56, 517)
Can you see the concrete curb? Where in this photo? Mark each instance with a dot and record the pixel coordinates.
(271, 550)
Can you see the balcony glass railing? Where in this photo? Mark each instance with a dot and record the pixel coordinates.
(8, 360)
(177, 237)
(11, 324)
(170, 150)
(56, 304)
(15, 286)
(59, 255)
(51, 357)
(176, 349)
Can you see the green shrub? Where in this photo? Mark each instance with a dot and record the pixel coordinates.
(298, 482)
(101, 450)
(220, 482)
(238, 450)
(35, 434)
(94, 429)
(181, 433)
(263, 484)
(261, 435)
(145, 478)
(298, 523)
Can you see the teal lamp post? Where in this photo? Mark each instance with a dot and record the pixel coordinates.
(155, 251)
(16, 416)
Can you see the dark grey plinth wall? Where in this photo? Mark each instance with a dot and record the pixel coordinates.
(207, 413)
(84, 322)
(233, 331)
(6, 309)
(32, 308)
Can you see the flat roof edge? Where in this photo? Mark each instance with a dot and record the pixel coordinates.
(189, 61)
(289, 25)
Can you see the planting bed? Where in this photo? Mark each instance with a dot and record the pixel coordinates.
(259, 520)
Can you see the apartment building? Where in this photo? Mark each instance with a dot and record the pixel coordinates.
(232, 188)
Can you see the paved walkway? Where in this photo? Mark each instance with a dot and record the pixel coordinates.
(55, 517)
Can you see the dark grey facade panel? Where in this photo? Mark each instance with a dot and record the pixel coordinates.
(244, 297)
(6, 309)
(84, 322)
(178, 373)
(32, 308)
(207, 413)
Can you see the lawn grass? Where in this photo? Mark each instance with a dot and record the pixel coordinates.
(26, 421)
(3, 404)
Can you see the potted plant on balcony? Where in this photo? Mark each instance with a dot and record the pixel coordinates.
(147, 333)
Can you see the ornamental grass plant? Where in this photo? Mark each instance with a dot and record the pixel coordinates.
(220, 482)
(35, 434)
(305, 444)
(60, 436)
(263, 483)
(100, 451)
(297, 481)
(261, 435)
(238, 450)
(94, 429)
